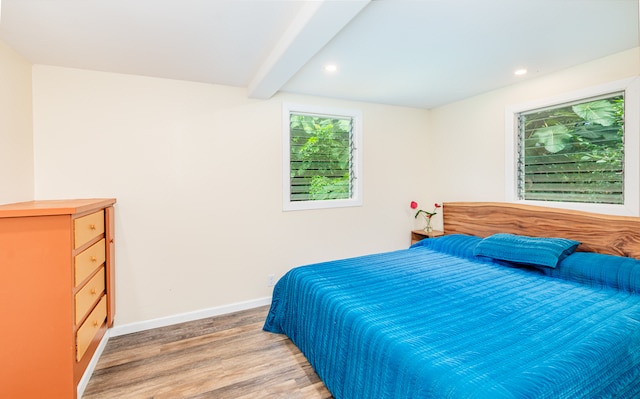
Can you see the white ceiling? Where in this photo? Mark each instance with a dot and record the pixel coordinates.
(401, 52)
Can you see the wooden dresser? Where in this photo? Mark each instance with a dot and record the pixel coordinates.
(57, 295)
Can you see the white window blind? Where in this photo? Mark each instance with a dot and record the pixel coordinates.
(573, 152)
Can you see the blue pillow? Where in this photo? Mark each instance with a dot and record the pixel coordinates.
(534, 251)
(600, 270)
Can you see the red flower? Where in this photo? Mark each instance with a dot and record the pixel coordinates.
(428, 215)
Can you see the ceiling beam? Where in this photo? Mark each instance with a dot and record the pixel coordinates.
(315, 25)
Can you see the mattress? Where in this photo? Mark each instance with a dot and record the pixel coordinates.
(436, 321)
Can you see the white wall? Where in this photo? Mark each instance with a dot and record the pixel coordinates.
(16, 145)
(196, 169)
(469, 135)
(197, 172)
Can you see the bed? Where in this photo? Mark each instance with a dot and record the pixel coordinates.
(514, 301)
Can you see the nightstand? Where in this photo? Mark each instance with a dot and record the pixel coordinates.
(417, 235)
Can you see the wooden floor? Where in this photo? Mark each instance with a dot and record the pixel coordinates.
(221, 357)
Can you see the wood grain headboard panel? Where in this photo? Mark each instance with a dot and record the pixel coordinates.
(607, 234)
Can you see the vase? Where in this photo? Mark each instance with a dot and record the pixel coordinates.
(427, 227)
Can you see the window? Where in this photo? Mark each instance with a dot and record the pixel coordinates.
(577, 151)
(573, 152)
(321, 157)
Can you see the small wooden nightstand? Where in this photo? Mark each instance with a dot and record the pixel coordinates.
(417, 235)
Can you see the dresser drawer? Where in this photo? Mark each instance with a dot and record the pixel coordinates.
(87, 227)
(89, 294)
(88, 261)
(90, 328)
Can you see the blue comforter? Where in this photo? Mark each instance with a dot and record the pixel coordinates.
(426, 323)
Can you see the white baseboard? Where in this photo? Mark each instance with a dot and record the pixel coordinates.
(189, 316)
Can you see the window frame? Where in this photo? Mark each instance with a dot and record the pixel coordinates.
(631, 184)
(356, 164)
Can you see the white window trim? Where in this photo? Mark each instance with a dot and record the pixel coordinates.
(631, 87)
(356, 198)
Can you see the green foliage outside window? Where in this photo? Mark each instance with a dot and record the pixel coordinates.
(573, 153)
(320, 157)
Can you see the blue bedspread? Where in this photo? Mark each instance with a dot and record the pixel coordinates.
(420, 323)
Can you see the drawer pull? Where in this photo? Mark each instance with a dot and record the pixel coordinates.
(93, 259)
(93, 291)
(92, 226)
(95, 323)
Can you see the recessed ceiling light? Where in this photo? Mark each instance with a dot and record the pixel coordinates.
(520, 72)
(331, 68)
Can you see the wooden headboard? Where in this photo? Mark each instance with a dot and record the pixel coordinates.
(607, 234)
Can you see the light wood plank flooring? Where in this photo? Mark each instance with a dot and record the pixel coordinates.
(220, 357)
